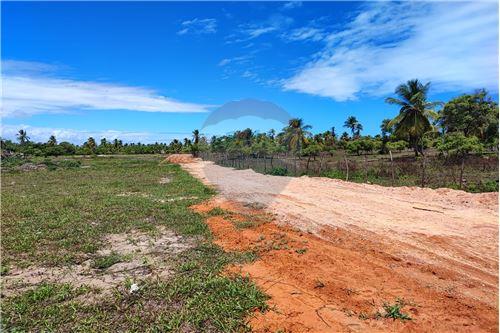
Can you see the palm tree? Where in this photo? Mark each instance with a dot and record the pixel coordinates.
(91, 144)
(385, 128)
(295, 134)
(354, 125)
(415, 114)
(52, 141)
(196, 136)
(22, 136)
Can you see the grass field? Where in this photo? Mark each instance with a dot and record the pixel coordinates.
(60, 218)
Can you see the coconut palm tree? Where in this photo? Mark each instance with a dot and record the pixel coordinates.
(196, 136)
(385, 129)
(91, 144)
(354, 125)
(295, 134)
(22, 136)
(416, 113)
(52, 141)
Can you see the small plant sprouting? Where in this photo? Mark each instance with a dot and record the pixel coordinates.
(217, 211)
(394, 311)
(301, 251)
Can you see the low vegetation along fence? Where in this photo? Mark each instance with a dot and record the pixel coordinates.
(477, 173)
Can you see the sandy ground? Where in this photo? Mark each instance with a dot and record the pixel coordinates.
(436, 247)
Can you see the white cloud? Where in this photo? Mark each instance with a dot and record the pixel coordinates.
(42, 134)
(305, 33)
(224, 62)
(27, 67)
(453, 45)
(274, 23)
(198, 26)
(25, 95)
(292, 4)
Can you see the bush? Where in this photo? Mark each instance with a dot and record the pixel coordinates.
(278, 171)
(50, 164)
(13, 161)
(69, 164)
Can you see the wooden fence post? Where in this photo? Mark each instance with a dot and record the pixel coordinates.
(366, 169)
(392, 168)
(346, 167)
(423, 170)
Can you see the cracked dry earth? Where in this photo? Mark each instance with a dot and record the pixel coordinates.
(336, 252)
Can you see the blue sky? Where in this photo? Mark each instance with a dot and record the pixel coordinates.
(154, 71)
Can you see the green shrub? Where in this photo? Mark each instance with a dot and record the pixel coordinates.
(50, 164)
(278, 171)
(68, 164)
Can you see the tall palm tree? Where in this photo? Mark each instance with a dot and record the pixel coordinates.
(91, 144)
(354, 125)
(416, 113)
(295, 134)
(52, 141)
(196, 136)
(385, 128)
(22, 136)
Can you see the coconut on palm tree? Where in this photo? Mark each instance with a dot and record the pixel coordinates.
(295, 134)
(415, 115)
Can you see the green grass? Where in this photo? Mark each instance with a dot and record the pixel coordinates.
(107, 261)
(61, 217)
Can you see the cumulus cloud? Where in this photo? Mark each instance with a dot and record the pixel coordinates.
(198, 26)
(42, 134)
(30, 94)
(453, 45)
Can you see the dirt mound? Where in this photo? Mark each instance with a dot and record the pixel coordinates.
(342, 282)
(180, 158)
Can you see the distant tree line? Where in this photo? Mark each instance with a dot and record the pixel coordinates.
(466, 124)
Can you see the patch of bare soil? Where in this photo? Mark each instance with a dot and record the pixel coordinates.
(339, 282)
(143, 256)
(180, 158)
(31, 167)
(436, 248)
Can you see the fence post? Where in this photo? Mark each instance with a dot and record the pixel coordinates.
(366, 169)
(392, 168)
(423, 170)
(461, 173)
(346, 167)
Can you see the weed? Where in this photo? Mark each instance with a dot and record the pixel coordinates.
(107, 261)
(394, 311)
(301, 251)
(217, 211)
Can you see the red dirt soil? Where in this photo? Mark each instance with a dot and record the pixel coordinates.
(338, 281)
(180, 158)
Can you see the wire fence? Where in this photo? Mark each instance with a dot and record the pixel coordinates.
(476, 173)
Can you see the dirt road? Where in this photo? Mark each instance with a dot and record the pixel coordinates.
(439, 247)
